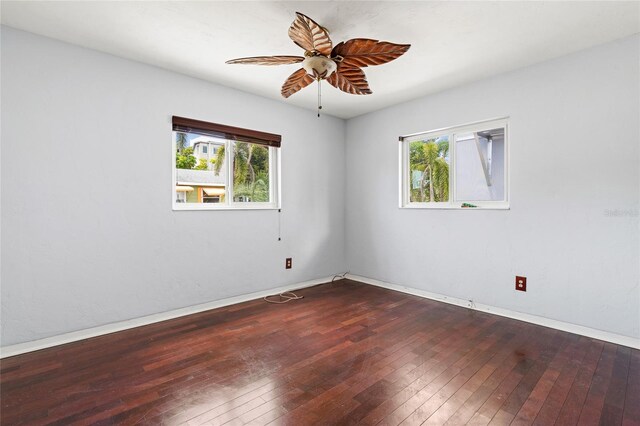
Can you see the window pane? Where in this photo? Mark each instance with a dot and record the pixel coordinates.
(200, 176)
(429, 170)
(250, 173)
(479, 165)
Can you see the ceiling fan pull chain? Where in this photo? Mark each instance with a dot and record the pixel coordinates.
(319, 98)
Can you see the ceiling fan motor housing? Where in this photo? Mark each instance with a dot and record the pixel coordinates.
(319, 67)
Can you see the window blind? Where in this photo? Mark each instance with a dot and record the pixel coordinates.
(188, 125)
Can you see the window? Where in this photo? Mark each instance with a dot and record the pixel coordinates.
(212, 195)
(458, 167)
(239, 168)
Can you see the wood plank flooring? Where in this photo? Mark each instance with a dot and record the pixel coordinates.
(348, 353)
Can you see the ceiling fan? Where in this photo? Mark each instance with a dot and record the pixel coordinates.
(341, 65)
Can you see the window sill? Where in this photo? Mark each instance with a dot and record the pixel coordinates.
(214, 207)
(457, 206)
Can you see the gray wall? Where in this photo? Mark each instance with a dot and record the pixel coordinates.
(89, 238)
(573, 227)
(88, 234)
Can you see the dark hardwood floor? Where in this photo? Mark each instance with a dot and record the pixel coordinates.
(347, 353)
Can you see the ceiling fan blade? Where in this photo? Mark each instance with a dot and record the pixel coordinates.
(308, 34)
(350, 80)
(267, 60)
(296, 81)
(362, 52)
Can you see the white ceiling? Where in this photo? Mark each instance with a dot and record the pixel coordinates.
(452, 42)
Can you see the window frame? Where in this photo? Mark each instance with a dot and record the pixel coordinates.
(451, 132)
(228, 203)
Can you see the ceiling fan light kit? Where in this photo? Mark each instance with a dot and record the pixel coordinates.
(341, 65)
(320, 67)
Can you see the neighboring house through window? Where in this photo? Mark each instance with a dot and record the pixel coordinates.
(181, 194)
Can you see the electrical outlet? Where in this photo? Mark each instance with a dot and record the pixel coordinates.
(521, 283)
(287, 263)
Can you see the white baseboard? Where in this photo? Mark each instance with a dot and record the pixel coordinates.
(74, 336)
(62, 339)
(546, 322)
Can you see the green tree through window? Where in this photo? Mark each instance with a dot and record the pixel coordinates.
(250, 171)
(185, 158)
(429, 170)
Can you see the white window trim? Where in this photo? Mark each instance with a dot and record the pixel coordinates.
(229, 204)
(403, 156)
